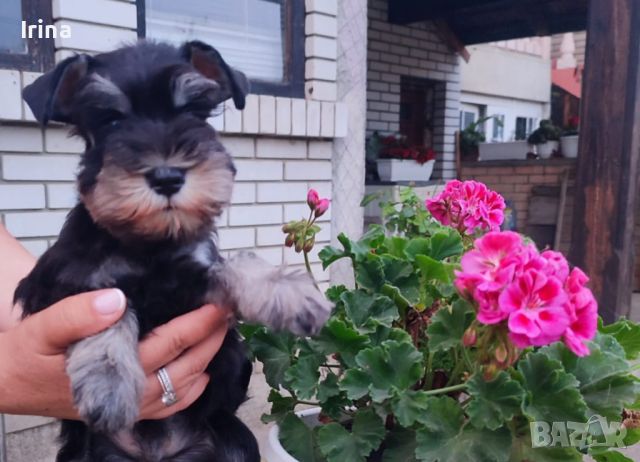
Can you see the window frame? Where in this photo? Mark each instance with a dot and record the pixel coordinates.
(40, 52)
(292, 85)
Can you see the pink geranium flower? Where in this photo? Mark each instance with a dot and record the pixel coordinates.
(468, 206)
(534, 294)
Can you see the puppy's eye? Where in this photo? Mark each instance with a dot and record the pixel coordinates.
(109, 118)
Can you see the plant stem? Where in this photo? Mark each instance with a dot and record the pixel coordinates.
(310, 403)
(336, 366)
(306, 262)
(439, 391)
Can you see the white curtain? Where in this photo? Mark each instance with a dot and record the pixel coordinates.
(248, 33)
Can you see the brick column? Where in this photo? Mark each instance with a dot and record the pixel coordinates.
(349, 152)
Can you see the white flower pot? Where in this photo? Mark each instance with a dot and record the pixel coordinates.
(569, 146)
(546, 150)
(512, 150)
(274, 452)
(404, 170)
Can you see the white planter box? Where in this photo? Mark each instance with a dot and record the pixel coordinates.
(546, 150)
(569, 146)
(274, 452)
(511, 150)
(404, 170)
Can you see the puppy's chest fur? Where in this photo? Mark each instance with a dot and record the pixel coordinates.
(160, 281)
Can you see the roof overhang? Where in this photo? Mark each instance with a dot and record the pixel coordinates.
(481, 21)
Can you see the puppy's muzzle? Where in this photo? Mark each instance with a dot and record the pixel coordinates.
(166, 181)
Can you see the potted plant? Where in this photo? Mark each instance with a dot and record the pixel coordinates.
(545, 138)
(569, 139)
(472, 138)
(398, 161)
(458, 343)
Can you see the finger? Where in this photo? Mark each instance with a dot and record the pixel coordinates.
(168, 341)
(75, 318)
(187, 367)
(192, 394)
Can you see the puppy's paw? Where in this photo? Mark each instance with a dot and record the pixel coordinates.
(107, 380)
(279, 298)
(297, 305)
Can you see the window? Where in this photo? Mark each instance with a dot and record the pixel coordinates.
(417, 108)
(16, 52)
(524, 127)
(466, 119)
(262, 38)
(498, 127)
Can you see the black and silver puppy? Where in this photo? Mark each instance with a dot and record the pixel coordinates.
(152, 181)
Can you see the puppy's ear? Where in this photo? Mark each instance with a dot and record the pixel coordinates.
(49, 97)
(208, 62)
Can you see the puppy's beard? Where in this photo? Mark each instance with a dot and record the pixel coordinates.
(124, 204)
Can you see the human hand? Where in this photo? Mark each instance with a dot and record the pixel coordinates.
(32, 354)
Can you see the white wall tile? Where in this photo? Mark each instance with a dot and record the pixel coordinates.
(329, 7)
(283, 116)
(20, 138)
(321, 69)
(244, 193)
(34, 224)
(11, 107)
(236, 238)
(267, 114)
(327, 123)
(321, 24)
(282, 192)
(62, 196)
(281, 148)
(239, 146)
(251, 170)
(37, 168)
(298, 117)
(247, 215)
(307, 170)
(321, 47)
(251, 115)
(270, 235)
(16, 197)
(93, 37)
(320, 149)
(59, 140)
(313, 118)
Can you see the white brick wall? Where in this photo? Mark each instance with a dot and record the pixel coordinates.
(414, 51)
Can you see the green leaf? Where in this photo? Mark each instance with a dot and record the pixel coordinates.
(281, 406)
(355, 383)
(551, 394)
(627, 334)
(446, 244)
(297, 439)
(432, 269)
(338, 445)
(494, 403)
(393, 367)
(418, 246)
(611, 456)
(409, 407)
(333, 293)
(396, 269)
(396, 246)
(448, 326)
(606, 383)
(400, 446)
(339, 337)
(445, 438)
(523, 450)
(395, 294)
(330, 255)
(328, 388)
(367, 311)
(303, 376)
(370, 273)
(275, 353)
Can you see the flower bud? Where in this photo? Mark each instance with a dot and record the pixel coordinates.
(501, 354)
(312, 199)
(309, 244)
(299, 245)
(470, 337)
(290, 240)
(322, 207)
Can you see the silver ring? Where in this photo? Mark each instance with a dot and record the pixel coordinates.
(169, 397)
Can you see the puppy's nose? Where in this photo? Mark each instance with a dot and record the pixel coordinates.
(165, 180)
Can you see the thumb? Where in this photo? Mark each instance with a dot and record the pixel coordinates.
(75, 318)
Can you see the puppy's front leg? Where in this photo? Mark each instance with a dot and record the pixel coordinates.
(280, 298)
(107, 379)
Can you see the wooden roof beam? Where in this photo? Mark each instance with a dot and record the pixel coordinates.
(451, 39)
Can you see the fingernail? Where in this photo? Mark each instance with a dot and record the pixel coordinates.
(109, 301)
